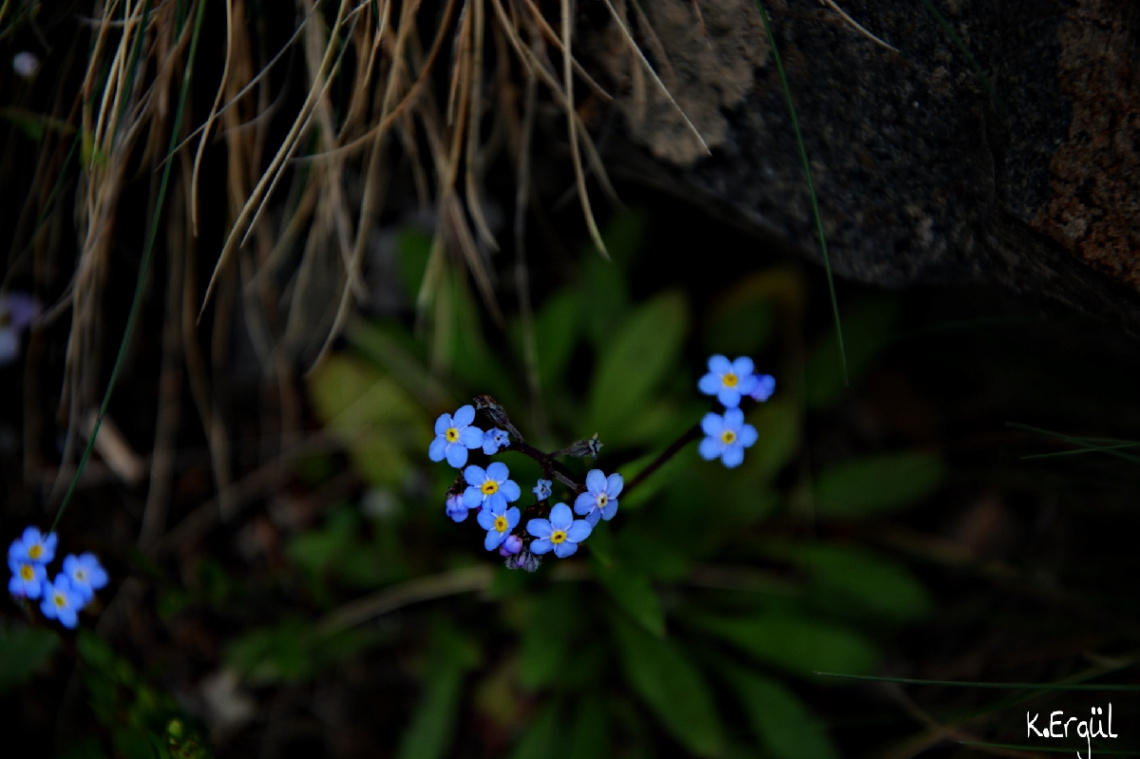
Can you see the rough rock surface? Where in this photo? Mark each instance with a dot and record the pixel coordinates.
(1013, 155)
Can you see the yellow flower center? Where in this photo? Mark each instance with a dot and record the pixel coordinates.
(80, 575)
(730, 379)
(452, 435)
(490, 487)
(60, 600)
(27, 573)
(558, 536)
(728, 437)
(603, 499)
(500, 523)
(35, 551)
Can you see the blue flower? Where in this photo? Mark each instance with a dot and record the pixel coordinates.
(728, 436)
(495, 439)
(85, 573)
(489, 488)
(17, 311)
(61, 601)
(454, 436)
(455, 508)
(765, 386)
(498, 521)
(28, 578)
(728, 381)
(600, 499)
(561, 533)
(542, 489)
(33, 546)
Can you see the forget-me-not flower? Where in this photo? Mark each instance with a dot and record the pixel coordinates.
(28, 578)
(85, 573)
(728, 436)
(454, 436)
(498, 521)
(542, 489)
(455, 508)
(561, 533)
(61, 601)
(728, 380)
(34, 546)
(512, 544)
(495, 439)
(765, 386)
(489, 488)
(600, 499)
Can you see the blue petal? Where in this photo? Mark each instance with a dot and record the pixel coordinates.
(765, 386)
(710, 384)
(748, 436)
(593, 517)
(583, 503)
(486, 520)
(540, 528)
(510, 490)
(610, 509)
(747, 384)
(513, 515)
(614, 483)
(464, 416)
(438, 449)
(498, 471)
(495, 502)
(595, 481)
(733, 455)
(729, 397)
(494, 539)
(562, 550)
(474, 475)
(734, 419)
(540, 546)
(719, 364)
(471, 437)
(579, 531)
(442, 423)
(712, 424)
(560, 516)
(742, 367)
(456, 455)
(711, 448)
(472, 497)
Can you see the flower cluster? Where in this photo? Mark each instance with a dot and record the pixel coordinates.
(490, 492)
(72, 589)
(730, 381)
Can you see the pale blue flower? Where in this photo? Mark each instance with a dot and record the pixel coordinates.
(454, 436)
(61, 601)
(561, 533)
(728, 380)
(728, 436)
(455, 508)
(28, 578)
(34, 546)
(600, 499)
(498, 521)
(85, 573)
(489, 488)
(495, 440)
(542, 489)
(765, 386)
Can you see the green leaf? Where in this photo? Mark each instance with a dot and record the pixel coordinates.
(632, 593)
(556, 331)
(281, 653)
(671, 686)
(846, 577)
(23, 650)
(590, 737)
(867, 330)
(877, 484)
(784, 725)
(796, 644)
(433, 725)
(633, 362)
(543, 738)
(547, 637)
